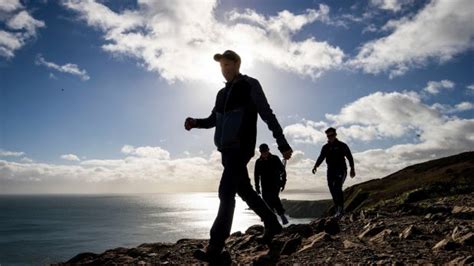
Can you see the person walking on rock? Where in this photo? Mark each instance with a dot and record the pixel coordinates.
(271, 173)
(235, 118)
(335, 152)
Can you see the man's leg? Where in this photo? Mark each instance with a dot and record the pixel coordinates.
(339, 181)
(233, 170)
(336, 178)
(267, 199)
(278, 206)
(331, 178)
(246, 192)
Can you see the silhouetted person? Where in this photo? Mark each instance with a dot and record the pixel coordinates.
(270, 171)
(335, 152)
(235, 118)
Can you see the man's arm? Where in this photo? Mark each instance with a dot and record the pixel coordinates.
(320, 159)
(351, 160)
(208, 122)
(257, 177)
(267, 115)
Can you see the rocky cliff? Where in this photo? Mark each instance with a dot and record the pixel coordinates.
(421, 214)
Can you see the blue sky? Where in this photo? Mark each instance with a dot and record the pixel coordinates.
(94, 94)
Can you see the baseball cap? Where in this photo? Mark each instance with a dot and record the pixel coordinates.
(228, 54)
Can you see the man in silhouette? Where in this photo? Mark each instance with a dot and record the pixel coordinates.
(235, 118)
(272, 174)
(335, 152)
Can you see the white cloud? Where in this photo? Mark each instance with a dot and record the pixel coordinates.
(27, 160)
(70, 157)
(10, 5)
(470, 87)
(306, 132)
(434, 87)
(177, 39)
(392, 5)
(24, 21)
(144, 169)
(448, 109)
(440, 31)
(20, 27)
(4, 153)
(69, 68)
(388, 114)
(147, 151)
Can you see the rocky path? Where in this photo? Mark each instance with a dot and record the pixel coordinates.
(438, 231)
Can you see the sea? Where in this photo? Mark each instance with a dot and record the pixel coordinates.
(45, 229)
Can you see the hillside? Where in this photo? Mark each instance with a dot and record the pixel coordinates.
(445, 176)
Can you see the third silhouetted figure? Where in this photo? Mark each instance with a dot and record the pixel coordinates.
(270, 171)
(335, 152)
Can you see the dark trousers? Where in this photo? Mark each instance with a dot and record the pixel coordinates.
(235, 180)
(271, 197)
(336, 178)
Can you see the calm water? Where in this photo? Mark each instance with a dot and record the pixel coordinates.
(42, 229)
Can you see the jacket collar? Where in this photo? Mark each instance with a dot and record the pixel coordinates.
(237, 78)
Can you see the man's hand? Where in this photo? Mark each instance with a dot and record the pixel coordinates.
(258, 190)
(353, 173)
(315, 169)
(189, 123)
(287, 154)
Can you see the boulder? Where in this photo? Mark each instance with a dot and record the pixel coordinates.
(467, 239)
(315, 240)
(463, 212)
(82, 257)
(462, 260)
(459, 231)
(371, 230)
(291, 245)
(255, 229)
(331, 227)
(349, 244)
(446, 244)
(382, 236)
(304, 230)
(410, 232)
(318, 225)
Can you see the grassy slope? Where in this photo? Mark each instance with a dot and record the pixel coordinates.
(447, 175)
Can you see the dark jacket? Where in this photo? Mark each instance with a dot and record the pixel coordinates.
(334, 154)
(235, 116)
(270, 171)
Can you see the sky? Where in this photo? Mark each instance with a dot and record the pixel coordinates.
(94, 94)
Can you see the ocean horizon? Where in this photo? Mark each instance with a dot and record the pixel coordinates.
(39, 229)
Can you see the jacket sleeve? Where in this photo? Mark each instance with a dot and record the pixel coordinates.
(257, 175)
(321, 157)
(267, 115)
(282, 169)
(349, 157)
(210, 121)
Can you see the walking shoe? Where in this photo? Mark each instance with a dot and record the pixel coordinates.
(211, 254)
(284, 220)
(339, 212)
(269, 233)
